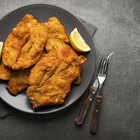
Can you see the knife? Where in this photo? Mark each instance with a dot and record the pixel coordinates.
(86, 105)
(102, 75)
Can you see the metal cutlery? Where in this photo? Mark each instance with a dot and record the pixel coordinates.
(86, 105)
(94, 91)
(101, 76)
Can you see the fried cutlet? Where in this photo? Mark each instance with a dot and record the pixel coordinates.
(56, 30)
(32, 50)
(52, 76)
(61, 49)
(24, 44)
(18, 81)
(57, 50)
(5, 72)
(16, 40)
(56, 88)
(43, 69)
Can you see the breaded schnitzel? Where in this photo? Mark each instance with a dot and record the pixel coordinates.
(47, 64)
(16, 40)
(56, 30)
(56, 88)
(43, 69)
(5, 73)
(61, 49)
(25, 42)
(18, 81)
(33, 49)
(51, 77)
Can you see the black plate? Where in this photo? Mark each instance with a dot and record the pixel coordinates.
(42, 12)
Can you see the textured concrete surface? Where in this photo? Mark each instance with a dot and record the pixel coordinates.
(118, 23)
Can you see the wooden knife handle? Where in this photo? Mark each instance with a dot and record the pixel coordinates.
(96, 115)
(85, 107)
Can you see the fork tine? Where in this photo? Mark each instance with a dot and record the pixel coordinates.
(102, 66)
(106, 66)
(110, 55)
(99, 68)
(107, 62)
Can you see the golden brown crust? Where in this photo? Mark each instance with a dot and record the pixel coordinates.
(43, 69)
(5, 73)
(56, 29)
(16, 40)
(61, 49)
(32, 50)
(18, 81)
(25, 42)
(52, 76)
(56, 88)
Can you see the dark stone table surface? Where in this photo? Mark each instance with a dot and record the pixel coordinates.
(118, 24)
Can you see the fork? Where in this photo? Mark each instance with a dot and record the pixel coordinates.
(101, 76)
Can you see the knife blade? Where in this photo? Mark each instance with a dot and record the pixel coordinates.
(86, 105)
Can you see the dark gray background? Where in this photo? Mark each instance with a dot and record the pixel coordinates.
(118, 23)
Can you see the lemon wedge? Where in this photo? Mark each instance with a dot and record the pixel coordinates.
(1, 45)
(77, 42)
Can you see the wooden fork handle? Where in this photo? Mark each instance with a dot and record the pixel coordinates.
(81, 117)
(96, 115)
